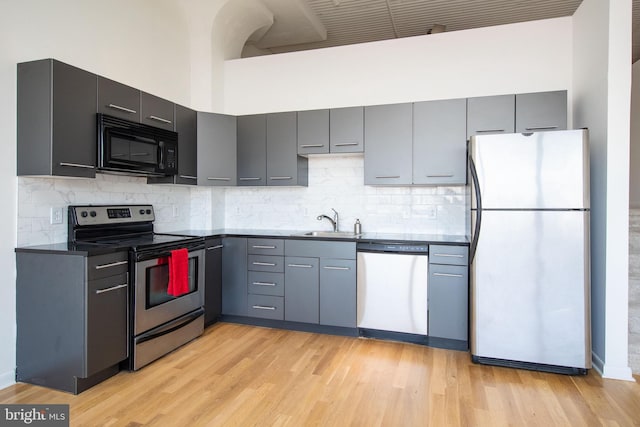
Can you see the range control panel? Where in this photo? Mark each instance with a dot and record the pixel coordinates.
(110, 214)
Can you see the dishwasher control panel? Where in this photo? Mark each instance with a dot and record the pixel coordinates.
(399, 247)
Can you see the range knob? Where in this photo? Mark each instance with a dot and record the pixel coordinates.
(141, 211)
(93, 214)
(84, 214)
(148, 211)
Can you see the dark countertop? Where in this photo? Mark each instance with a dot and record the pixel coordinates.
(67, 248)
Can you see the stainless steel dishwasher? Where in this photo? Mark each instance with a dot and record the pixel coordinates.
(392, 286)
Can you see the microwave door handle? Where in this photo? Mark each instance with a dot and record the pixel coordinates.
(161, 154)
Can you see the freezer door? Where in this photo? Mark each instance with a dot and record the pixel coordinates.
(542, 170)
(530, 285)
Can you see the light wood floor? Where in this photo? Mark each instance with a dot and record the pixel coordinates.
(237, 375)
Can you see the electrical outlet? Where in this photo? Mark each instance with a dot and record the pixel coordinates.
(56, 215)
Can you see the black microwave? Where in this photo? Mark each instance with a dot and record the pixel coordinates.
(133, 148)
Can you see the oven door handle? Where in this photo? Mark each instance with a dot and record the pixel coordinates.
(163, 253)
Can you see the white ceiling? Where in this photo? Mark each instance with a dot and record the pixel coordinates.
(360, 21)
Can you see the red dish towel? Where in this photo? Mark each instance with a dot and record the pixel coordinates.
(178, 272)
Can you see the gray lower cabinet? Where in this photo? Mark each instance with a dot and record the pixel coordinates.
(301, 294)
(541, 111)
(448, 292)
(234, 276)
(313, 132)
(490, 115)
(72, 318)
(346, 130)
(284, 166)
(266, 278)
(213, 280)
(338, 292)
(156, 111)
(440, 142)
(118, 100)
(252, 150)
(389, 139)
(56, 127)
(217, 150)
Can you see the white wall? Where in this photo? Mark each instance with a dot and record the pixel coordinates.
(143, 43)
(634, 175)
(602, 86)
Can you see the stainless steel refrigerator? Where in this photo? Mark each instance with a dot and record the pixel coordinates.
(530, 269)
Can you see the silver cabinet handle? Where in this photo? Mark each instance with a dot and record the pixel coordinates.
(263, 247)
(263, 307)
(250, 179)
(263, 284)
(268, 264)
(312, 146)
(113, 288)
(542, 127)
(77, 165)
(280, 178)
(113, 264)
(489, 130)
(447, 275)
(346, 144)
(160, 119)
(449, 255)
(124, 109)
(330, 267)
(300, 265)
(440, 176)
(388, 177)
(215, 247)
(214, 178)
(188, 177)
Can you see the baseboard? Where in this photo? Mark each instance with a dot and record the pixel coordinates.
(611, 372)
(7, 379)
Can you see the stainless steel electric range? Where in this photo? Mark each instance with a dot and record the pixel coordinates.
(158, 321)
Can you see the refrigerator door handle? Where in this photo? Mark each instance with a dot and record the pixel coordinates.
(476, 230)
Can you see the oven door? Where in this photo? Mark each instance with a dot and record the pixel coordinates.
(153, 306)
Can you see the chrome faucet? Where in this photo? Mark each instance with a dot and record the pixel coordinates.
(334, 221)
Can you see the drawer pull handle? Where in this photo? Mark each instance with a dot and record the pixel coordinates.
(346, 144)
(124, 109)
(440, 176)
(450, 255)
(113, 288)
(263, 284)
(542, 127)
(113, 264)
(160, 119)
(388, 177)
(330, 267)
(312, 146)
(215, 247)
(215, 178)
(250, 179)
(300, 265)
(280, 178)
(188, 177)
(268, 264)
(263, 247)
(447, 275)
(263, 307)
(489, 130)
(77, 165)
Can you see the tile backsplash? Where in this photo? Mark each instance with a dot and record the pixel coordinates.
(335, 181)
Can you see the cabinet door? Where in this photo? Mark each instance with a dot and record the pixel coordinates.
(440, 142)
(252, 150)
(156, 111)
(313, 132)
(301, 289)
(448, 301)
(490, 114)
(541, 111)
(388, 135)
(217, 149)
(282, 151)
(186, 126)
(234, 276)
(107, 327)
(346, 130)
(118, 100)
(213, 281)
(338, 292)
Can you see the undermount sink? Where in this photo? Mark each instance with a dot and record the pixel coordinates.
(346, 234)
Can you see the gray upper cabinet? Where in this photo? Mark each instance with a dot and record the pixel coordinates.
(118, 100)
(440, 142)
(541, 111)
(217, 150)
(346, 130)
(284, 166)
(490, 115)
(156, 111)
(388, 134)
(252, 149)
(313, 132)
(56, 123)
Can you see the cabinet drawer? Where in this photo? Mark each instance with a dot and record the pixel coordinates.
(448, 254)
(107, 265)
(274, 264)
(266, 306)
(264, 283)
(265, 246)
